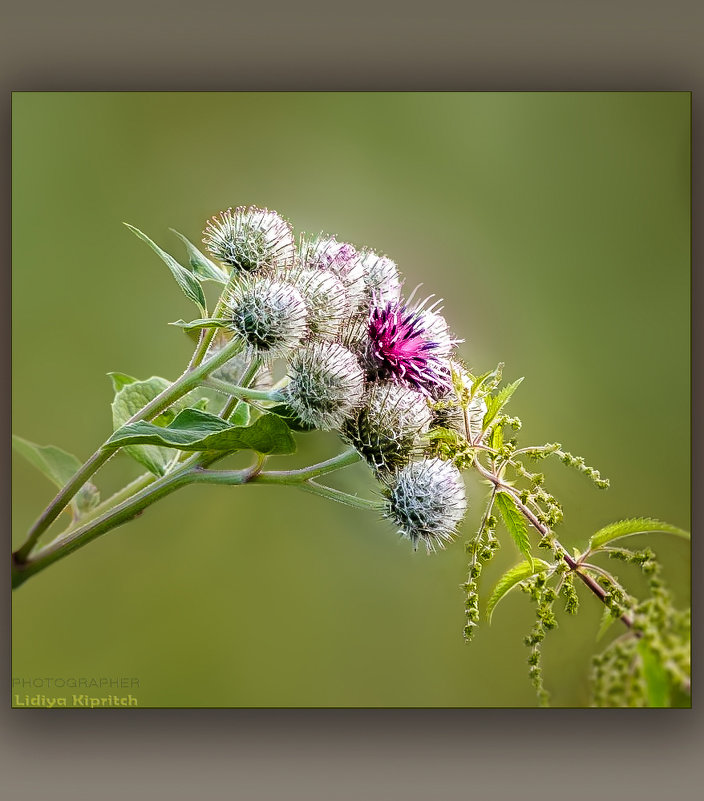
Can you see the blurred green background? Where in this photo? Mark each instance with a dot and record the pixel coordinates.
(557, 228)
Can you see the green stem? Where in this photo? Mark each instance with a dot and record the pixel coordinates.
(188, 381)
(242, 393)
(313, 471)
(340, 496)
(245, 380)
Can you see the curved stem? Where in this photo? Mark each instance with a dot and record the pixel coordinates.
(339, 496)
(242, 393)
(313, 471)
(188, 381)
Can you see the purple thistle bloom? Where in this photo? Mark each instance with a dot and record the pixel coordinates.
(400, 350)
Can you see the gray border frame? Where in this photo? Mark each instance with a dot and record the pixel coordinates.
(348, 754)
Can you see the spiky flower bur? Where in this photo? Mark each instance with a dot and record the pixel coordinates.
(323, 252)
(381, 281)
(387, 428)
(269, 315)
(234, 369)
(250, 239)
(400, 349)
(325, 385)
(326, 299)
(426, 500)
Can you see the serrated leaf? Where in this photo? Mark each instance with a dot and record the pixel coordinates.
(207, 322)
(184, 278)
(59, 467)
(638, 525)
(657, 685)
(515, 523)
(120, 380)
(510, 579)
(495, 403)
(193, 430)
(132, 397)
(201, 264)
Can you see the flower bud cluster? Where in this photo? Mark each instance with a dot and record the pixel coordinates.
(361, 360)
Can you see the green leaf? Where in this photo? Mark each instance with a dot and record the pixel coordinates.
(132, 397)
(207, 322)
(59, 467)
(184, 278)
(241, 415)
(292, 420)
(120, 380)
(200, 264)
(510, 579)
(515, 523)
(193, 430)
(495, 403)
(638, 525)
(657, 686)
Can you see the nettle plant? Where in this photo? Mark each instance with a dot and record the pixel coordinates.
(382, 372)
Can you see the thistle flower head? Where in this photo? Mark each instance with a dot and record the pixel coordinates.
(267, 314)
(325, 384)
(386, 430)
(426, 500)
(381, 281)
(323, 252)
(250, 239)
(326, 299)
(400, 349)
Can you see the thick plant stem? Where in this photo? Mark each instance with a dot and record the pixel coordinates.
(243, 393)
(313, 471)
(544, 530)
(188, 381)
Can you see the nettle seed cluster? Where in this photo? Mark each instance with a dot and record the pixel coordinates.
(361, 360)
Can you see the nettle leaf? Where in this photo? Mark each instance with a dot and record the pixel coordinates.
(638, 525)
(193, 430)
(607, 620)
(184, 278)
(515, 523)
(58, 466)
(207, 322)
(510, 579)
(129, 399)
(201, 264)
(495, 403)
(657, 685)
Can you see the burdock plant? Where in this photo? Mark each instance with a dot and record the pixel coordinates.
(381, 371)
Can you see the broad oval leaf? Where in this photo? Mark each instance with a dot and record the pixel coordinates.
(193, 430)
(510, 579)
(638, 525)
(59, 467)
(515, 523)
(201, 264)
(184, 278)
(132, 397)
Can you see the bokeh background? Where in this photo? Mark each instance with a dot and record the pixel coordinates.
(557, 228)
